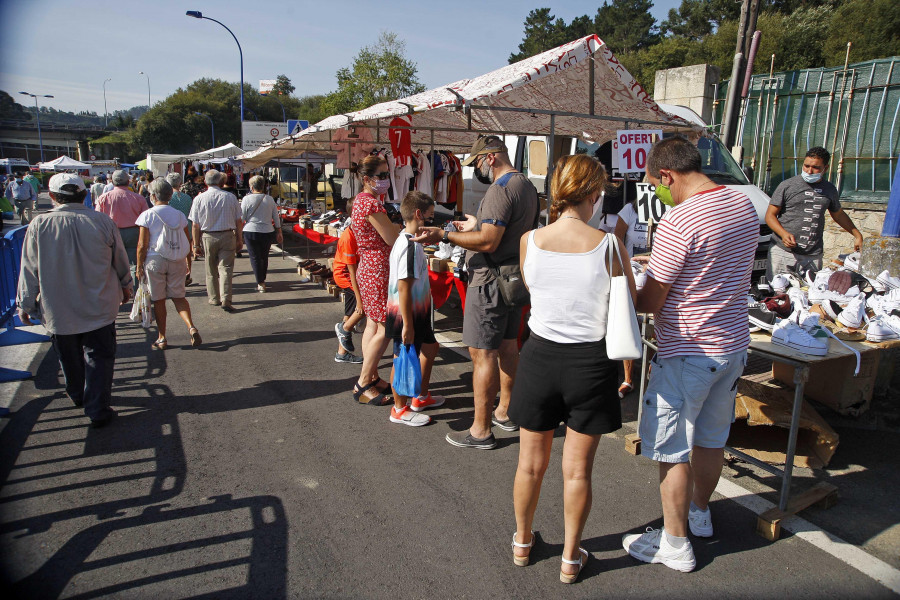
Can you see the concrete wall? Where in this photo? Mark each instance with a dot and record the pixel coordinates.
(868, 218)
(692, 86)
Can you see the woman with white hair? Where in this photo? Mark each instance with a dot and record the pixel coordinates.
(262, 226)
(162, 257)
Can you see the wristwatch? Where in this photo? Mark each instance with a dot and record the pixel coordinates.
(446, 237)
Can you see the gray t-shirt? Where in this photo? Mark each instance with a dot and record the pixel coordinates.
(510, 202)
(802, 213)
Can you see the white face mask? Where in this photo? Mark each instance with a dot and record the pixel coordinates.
(811, 177)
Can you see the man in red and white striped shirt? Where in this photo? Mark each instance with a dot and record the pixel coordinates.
(697, 284)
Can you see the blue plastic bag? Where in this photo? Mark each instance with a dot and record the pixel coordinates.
(407, 372)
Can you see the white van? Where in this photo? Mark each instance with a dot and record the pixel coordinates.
(529, 155)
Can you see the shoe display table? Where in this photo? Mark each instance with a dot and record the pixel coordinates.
(315, 236)
(761, 346)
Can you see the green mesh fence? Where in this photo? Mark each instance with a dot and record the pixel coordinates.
(853, 113)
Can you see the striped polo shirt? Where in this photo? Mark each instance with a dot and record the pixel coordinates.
(704, 248)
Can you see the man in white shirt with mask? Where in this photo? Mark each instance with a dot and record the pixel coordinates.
(796, 215)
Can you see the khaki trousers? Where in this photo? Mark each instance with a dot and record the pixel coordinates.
(219, 249)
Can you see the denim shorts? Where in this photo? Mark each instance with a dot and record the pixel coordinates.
(689, 401)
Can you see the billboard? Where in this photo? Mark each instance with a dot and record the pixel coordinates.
(255, 134)
(266, 86)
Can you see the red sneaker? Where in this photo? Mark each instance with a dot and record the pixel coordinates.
(421, 402)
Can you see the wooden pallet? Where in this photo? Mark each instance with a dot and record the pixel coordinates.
(768, 524)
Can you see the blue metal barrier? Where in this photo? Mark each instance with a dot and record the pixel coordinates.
(10, 264)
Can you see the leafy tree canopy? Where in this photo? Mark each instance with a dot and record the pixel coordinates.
(283, 86)
(379, 73)
(10, 110)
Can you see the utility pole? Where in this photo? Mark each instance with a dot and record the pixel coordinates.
(749, 16)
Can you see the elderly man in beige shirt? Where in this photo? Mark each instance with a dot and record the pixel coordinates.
(75, 276)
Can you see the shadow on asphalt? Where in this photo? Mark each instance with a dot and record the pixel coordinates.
(106, 474)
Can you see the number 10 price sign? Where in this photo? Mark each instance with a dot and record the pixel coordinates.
(632, 147)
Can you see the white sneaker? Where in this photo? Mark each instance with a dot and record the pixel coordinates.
(798, 298)
(889, 283)
(883, 328)
(405, 416)
(700, 522)
(851, 261)
(853, 313)
(806, 320)
(789, 334)
(780, 283)
(653, 547)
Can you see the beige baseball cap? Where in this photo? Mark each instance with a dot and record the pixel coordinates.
(484, 145)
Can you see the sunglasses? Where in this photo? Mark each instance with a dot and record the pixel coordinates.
(383, 175)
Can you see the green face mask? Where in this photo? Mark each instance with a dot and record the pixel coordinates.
(664, 194)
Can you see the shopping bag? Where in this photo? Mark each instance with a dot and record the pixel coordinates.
(142, 308)
(407, 372)
(623, 336)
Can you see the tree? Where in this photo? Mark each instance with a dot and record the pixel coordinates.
(695, 19)
(872, 26)
(379, 73)
(626, 25)
(283, 86)
(542, 32)
(10, 110)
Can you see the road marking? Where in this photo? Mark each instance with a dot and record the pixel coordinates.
(844, 551)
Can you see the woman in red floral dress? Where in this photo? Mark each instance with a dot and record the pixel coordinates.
(375, 234)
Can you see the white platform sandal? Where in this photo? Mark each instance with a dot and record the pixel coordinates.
(521, 561)
(565, 577)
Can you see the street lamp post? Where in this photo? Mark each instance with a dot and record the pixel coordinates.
(105, 112)
(211, 126)
(199, 15)
(148, 88)
(38, 115)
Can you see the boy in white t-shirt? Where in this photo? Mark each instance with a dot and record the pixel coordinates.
(408, 319)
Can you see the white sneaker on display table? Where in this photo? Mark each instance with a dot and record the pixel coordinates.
(884, 328)
(789, 334)
(854, 313)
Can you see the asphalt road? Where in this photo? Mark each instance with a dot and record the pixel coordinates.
(244, 470)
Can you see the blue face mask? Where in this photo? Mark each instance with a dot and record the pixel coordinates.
(811, 177)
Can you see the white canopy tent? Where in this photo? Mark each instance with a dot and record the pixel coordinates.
(159, 163)
(62, 163)
(579, 89)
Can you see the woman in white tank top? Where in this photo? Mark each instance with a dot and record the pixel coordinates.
(564, 373)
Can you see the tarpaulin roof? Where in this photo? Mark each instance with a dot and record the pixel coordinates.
(565, 84)
(63, 162)
(161, 161)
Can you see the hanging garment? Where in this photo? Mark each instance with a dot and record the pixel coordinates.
(401, 140)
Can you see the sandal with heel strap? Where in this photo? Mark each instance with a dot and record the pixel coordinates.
(582, 560)
(196, 340)
(359, 394)
(625, 389)
(521, 561)
(160, 344)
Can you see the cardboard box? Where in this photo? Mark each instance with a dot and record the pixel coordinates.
(438, 265)
(321, 227)
(333, 232)
(832, 383)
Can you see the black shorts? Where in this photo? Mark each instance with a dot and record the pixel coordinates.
(424, 334)
(575, 384)
(349, 301)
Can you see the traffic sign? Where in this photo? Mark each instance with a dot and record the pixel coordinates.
(296, 125)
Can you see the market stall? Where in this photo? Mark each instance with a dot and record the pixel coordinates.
(63, 163)
(160, 164)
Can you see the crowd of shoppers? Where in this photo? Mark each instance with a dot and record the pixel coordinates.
(696, 286)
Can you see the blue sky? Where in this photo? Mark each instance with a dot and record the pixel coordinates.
(68, 47)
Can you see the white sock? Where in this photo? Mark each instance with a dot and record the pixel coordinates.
(675, 542)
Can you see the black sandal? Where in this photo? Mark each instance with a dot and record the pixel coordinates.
(379, 400)
(381, 385)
